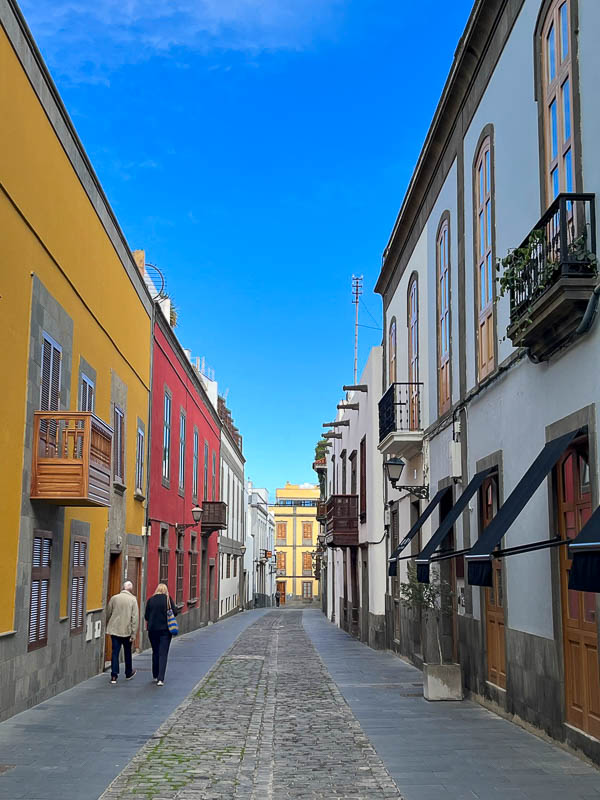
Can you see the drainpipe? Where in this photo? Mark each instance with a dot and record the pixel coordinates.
(590, 312)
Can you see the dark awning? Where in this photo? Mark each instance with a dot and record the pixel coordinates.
(438, 537)
(584, 575)
(419, 523)
(479, 556)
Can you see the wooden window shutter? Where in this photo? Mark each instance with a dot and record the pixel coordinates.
(78, 570)
(40, 590)
(363, 478)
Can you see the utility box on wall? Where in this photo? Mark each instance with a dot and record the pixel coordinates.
(455, 456)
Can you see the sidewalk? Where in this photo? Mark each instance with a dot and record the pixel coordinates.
(445, 750)
(72, 746)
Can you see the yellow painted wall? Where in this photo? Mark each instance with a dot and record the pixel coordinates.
(50, 228)
(299, 514)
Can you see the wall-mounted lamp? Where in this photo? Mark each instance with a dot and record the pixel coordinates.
(196, 515)
(393, 468)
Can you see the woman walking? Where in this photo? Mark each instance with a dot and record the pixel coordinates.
(158, 630)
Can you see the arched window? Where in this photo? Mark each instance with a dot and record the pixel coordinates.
(557, 96)
(443, 306)
(484, 252)
(413, 354)
(392, 373)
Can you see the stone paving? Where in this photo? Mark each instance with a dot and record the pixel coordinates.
(266, 722)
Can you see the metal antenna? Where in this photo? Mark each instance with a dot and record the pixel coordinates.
(357, 281)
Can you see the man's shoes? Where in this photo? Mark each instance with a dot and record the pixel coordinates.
(113, 681)
(160, 683)
(129, 677)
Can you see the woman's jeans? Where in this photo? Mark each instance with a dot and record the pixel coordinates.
(160, 650)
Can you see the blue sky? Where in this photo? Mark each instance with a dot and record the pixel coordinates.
(259, 151)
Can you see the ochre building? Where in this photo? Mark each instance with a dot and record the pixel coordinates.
(296, 530)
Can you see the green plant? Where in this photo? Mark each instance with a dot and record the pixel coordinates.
(433, 598)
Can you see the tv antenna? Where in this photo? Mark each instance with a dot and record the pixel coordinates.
(357, 282)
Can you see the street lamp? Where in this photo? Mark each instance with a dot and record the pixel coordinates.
(393, 468)
(196, 516)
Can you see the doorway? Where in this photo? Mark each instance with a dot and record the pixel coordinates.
(113, 586)
(364, 595)
(134, 574)
(494, 596)
(281, 590)
(580, 626)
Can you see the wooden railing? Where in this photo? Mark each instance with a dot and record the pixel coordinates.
(71, 458)
(214, 516)
(342, 519)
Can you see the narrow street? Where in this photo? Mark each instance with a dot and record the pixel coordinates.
(276, 704)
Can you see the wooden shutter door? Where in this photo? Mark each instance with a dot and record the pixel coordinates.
(494, 597)
(40, 592)
(79, 559)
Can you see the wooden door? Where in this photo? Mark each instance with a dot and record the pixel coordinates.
(113, 587)
(134, 574)
(494, 596)
(281, 590)
(580, 627)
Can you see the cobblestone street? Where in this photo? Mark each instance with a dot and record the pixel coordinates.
(267, 722)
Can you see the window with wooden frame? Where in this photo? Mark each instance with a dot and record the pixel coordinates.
(39, 599)
(557, 94)
(163, 557)
(392, 347)
(413, 354)
(343, 458)
(281, 561)
(443, 307)
(195, 455)
(306, 562)
(307, 590)
(179, 557)
(77, 591)
(139, 461)
(228, 570)
(206, 470)
(281, 532)
(166, 460)
(193, 568)
(214, 476)
(307, 532)
(86, 393)
(119, 446)
(363, 479)
(50, 389)
(352, 460)
(235, 567)
(484, 250)
(181, 451)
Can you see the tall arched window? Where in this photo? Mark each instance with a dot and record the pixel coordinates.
(443, 307)
(413, 353)
(392, 372)
(557, 96)
(484, 251)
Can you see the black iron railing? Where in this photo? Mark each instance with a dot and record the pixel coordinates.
(564, 245)
(400, 409)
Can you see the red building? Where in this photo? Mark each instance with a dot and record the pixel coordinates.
(184, 473)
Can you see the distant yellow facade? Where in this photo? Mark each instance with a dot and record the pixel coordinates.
(296, 531)
(75, 325)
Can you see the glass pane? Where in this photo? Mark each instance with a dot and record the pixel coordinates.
(553, 130)
(491, 596)
(584, 475)
(488, 214)
(571, 528)
(551, 55)
(566, 106)
(573, 609)
(589, 606)
(554, 181)
(482, 286)
(564, 32)
(480, 186)
(568, 171)
(487, 172)
(499, 587)
(481, 236)
(489, 278)
(447, 346)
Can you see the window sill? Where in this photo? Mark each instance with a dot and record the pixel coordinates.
(166, 483)
(119, 487)
(139, 496)
(181, 491)
(179, 606)
(192, 601)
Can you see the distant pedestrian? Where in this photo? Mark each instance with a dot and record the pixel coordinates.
(122, 620)
(277, 598)
(158, 630)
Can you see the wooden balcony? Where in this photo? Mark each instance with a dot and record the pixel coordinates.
(549, 300)
(71, 459)
(400, 420)
(342, 520)
(321, 511)
(214, 516)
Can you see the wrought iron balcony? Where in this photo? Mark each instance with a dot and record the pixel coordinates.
(214, 516)
(71, 459)
(549, 298)
(341, 529)
(400, 420)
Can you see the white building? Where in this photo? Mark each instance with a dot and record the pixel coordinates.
(260, 541)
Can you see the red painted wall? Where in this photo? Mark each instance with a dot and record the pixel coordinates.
(166, 503)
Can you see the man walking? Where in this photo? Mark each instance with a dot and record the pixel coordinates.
(122, 619)
(277, 598)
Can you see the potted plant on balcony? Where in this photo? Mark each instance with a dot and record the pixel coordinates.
(442, 678)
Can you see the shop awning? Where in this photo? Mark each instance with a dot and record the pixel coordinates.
(438, 537)
(584, 575)
(479, 556)
(415, 529)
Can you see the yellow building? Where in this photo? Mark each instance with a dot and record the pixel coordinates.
(296, 531)
(75, 325)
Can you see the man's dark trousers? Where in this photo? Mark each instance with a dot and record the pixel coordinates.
(117, 641)
(160, 650)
